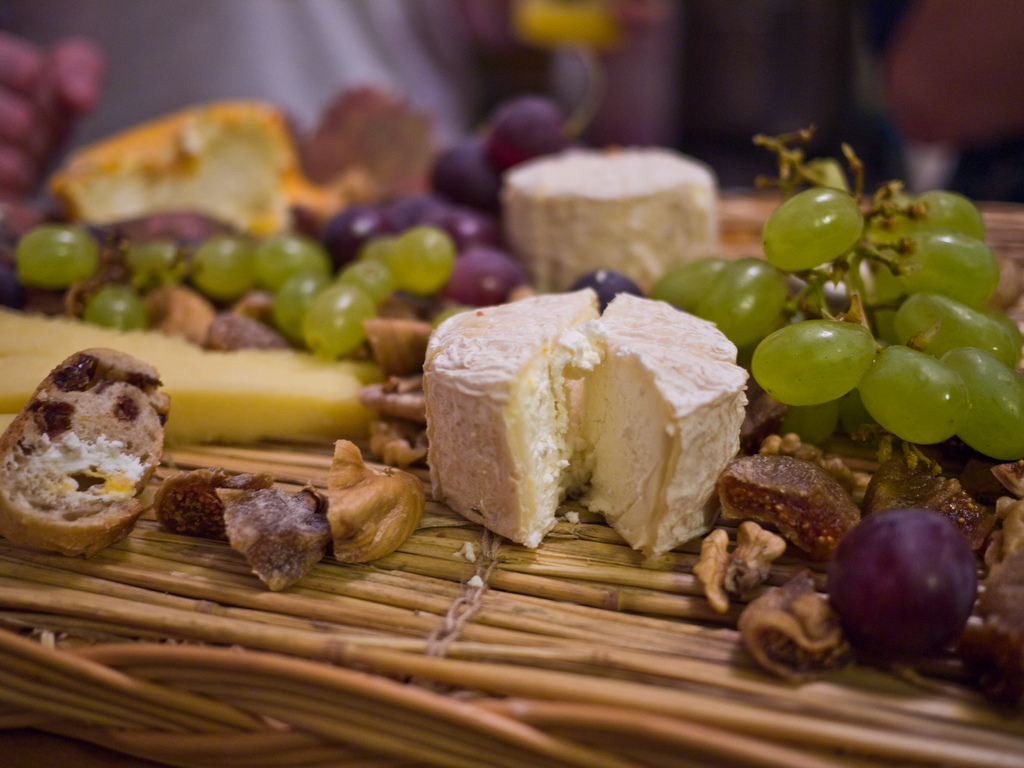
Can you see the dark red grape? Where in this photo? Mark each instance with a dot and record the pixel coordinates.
(11, 293)
(483, 276)
(903, 583)
(467, 226)
(406, 212)
(464, 175)
(346, 231)
(608, 284)
(523, 128)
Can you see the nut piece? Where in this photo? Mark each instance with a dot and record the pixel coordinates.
(187, 502)
(398, 442)
(792, 631)
(179, 311)
(742, 571)
(281, 535)
(1008, 539)
(710, 571)
(1011, 475)
(398, 345)
(370, 512)
(804, 502)
(402, 397)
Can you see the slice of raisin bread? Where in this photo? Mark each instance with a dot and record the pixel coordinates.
(74, 460)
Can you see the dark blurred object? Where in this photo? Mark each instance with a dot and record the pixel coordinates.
(773, 66)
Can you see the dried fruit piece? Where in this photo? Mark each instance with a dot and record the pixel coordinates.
(763, 418)
(1011, 475)
(993, 650)
(895, 485)
(281, 535)
(790, 444)
(399, 345)
(177, 310)
(808, 506)
(187, 502)
(229, 331)
(792, 632)
(371, 512)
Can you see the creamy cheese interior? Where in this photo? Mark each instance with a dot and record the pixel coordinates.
(69, 470)
(543, 437)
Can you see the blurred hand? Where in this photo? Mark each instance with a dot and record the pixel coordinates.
(43, 94)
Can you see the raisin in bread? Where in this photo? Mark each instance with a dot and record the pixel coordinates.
(74, 460)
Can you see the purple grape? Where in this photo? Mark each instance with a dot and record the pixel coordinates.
(467, 226)
(464, 175)
(406, 212)
(482, 276)
(346, 231)
(608, 284)
(523, 128)
(903, 583)
(11, 293)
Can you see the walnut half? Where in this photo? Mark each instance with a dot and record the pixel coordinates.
(740, 572)
(792, 631)
(371, 512)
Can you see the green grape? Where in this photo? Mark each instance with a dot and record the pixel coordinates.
(813, 362)
(885, 287)
(278, 258)
(958, 326)
(152, 262)
(813, 423)
(1008, 324)
(744, 300)
(293, 299)
(994, 424)
(372, 276)
(223, 267)
(333, 325)
(377, 248)
(422, 259)
(914, 396)
(685, 285)
(852, 413)
(827, 172)
(811, 228)
(951, 210)
(885, 325)
(116, 306)
(55, 256)
(953, 264)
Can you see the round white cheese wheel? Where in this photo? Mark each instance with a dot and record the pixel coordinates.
(639, 211)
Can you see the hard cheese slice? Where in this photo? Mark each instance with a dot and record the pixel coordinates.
(662, 415)
(498, 410)
(215, 396)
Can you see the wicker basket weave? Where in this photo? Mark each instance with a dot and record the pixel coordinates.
(578, 653)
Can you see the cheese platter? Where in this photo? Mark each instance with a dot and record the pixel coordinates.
(581, 626)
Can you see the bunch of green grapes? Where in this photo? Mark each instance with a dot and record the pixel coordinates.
(914, 347)
(312, 307)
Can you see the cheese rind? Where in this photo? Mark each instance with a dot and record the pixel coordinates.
(215, 396)
(499, 394)
(662, 419)
(637, 211)
(235, 161)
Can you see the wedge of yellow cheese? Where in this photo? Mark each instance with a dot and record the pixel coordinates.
(215, 396)
(235, 161)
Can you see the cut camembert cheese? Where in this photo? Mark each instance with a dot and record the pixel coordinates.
(661, 419)
(638, 211)
(498, 410)
(636, 412)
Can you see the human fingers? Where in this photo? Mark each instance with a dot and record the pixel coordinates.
(20, 64)
(18, 169)
(78, 66)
